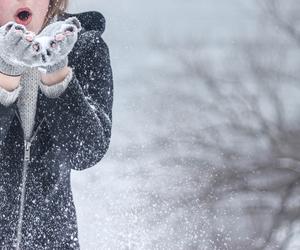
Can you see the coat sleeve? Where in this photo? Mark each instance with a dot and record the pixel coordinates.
(80, 119)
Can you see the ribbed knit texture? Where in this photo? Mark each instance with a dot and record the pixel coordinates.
(10, 70)
(27, 91)
(55, 90)
(9, 97)
(57, 66)
(27, 96)
(27, 100)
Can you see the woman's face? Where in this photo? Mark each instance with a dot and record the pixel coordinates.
(11, 10)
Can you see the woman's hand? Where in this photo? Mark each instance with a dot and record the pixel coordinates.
(9, 83)
(16, 52)
(55, 77)
(55, 42)
(16, 49)
(21, 49)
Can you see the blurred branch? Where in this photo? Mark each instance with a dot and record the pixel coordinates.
(244, 129)
(272, 8)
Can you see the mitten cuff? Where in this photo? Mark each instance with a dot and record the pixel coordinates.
(10, 70)
(57, 89)
(9, 97)
(52, 68)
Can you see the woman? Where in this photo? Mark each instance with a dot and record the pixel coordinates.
(56, 97)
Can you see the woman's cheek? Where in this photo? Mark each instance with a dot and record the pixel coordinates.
(40, 17)
(6, 11)
(4, 19)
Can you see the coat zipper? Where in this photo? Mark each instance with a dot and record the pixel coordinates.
(27, 145)
(26, 161)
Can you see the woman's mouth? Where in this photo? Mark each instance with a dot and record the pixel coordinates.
(23, 16)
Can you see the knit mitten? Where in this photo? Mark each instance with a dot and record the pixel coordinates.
(55, 42)
(16, 49)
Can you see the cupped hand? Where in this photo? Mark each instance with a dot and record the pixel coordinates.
(56, 41)
(16, 45)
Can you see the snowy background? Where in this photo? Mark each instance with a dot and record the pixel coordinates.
(191, 164)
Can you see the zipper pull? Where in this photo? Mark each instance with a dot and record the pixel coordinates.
(27, 151)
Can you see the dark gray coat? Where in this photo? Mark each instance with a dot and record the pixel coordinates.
(72, 131)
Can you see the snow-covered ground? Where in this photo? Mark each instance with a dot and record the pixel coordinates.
(137, 197)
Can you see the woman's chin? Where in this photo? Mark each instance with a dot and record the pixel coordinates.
(33, 29)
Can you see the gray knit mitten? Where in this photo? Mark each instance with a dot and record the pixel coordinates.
(16, 50)
(55, 42)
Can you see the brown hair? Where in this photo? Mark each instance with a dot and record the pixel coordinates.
(56, 7)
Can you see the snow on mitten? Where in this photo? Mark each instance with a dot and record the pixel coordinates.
(16, 51)
(55, 42)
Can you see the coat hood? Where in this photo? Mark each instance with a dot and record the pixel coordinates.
(91, 20)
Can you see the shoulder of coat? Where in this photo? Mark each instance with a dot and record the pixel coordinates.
(90, 20)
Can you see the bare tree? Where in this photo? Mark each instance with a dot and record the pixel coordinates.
(248, 135)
